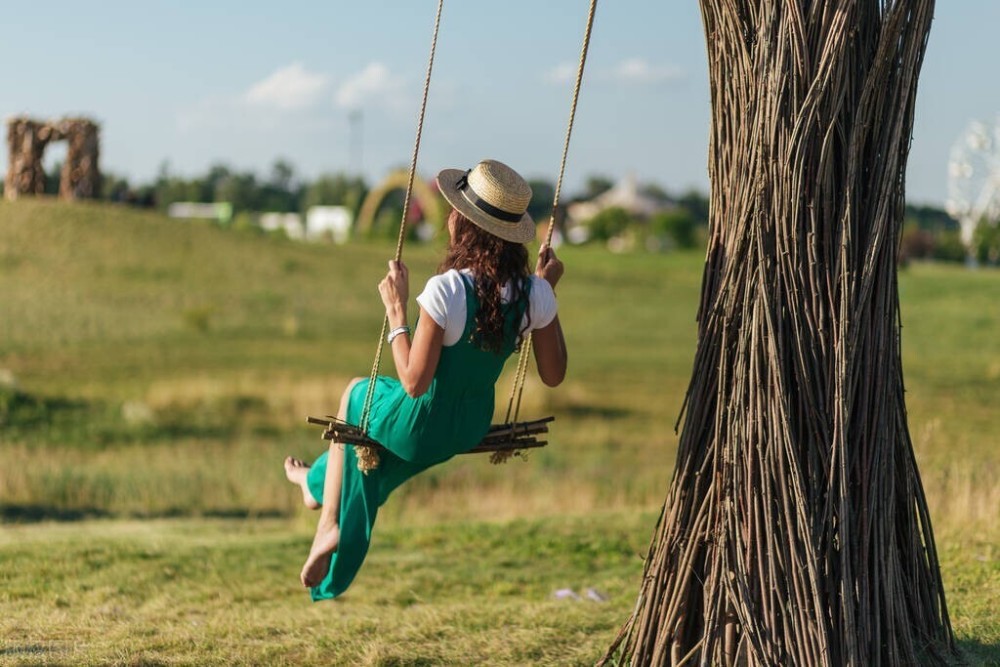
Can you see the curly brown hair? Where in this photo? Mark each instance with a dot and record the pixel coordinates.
(493, 262)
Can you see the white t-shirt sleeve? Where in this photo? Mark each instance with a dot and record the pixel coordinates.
(443, 299)
(541, 303)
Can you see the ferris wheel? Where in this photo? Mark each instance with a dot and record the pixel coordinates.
(974, 178)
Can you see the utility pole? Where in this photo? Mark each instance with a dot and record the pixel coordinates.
(356, 120)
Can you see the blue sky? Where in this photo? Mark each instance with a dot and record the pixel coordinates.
(246, 82)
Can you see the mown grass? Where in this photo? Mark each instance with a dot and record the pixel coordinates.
(224, 592)
(151, 368)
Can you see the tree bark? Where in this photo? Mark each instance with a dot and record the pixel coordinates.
(795, 530)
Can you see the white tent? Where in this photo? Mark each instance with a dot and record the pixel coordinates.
(290, 223)
(329, 222)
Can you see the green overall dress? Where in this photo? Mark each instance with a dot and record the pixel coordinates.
(450, 418)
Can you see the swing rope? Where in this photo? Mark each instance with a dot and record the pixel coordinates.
(503, 440)
(368, 457)
(517, 390)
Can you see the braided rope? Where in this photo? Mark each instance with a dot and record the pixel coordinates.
(368, 458)
(517, 390)
(572, 116)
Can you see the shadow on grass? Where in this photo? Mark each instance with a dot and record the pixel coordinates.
(33, 513)
(29, 650)
(19, 410)
(95, 424)
(13, 513)
(975, 653)
(244, 514)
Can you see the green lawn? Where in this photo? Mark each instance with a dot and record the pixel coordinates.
(194, 592)
(153, 368)
(471, 593)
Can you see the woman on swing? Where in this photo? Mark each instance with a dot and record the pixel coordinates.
(472, 316)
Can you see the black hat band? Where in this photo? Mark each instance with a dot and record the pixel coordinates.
(483, 205)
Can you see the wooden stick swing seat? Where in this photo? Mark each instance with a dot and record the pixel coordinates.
(502, 440)
(500, 437)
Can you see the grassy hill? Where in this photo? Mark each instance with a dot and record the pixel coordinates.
(156, 368)
(165, 367)
(162, 367)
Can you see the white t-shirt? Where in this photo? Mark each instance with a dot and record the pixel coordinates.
(443, 299)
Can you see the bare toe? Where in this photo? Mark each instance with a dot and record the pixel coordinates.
(295, 469)
(297, 472)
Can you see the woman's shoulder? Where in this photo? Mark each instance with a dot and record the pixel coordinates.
(449, 282)
(443, 299)
(443, 296)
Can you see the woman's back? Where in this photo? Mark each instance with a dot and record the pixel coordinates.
(454, 413)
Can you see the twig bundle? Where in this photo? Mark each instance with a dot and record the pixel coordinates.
(795, 530)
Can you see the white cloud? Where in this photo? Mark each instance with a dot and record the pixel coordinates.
(289, 88)
(640, 71)
(561, 73)
(633, 71)
(375, 84)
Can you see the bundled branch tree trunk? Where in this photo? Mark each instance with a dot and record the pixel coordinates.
(795, 530)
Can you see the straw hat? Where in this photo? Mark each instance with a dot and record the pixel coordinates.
(493, 196)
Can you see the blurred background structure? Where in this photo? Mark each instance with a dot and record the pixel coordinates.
(27, 140)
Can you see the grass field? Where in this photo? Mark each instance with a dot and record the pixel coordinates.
(152, 369)
(203, 591)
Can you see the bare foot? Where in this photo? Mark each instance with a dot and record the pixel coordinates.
(318, 562)
(296, 471)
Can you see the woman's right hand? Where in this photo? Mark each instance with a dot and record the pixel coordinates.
(548, 266)
(395, 290)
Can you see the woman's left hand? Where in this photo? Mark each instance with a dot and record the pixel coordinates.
(549, 267)
(395, 290)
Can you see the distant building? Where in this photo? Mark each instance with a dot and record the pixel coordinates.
(221, 212)
(290, 223)
(329, 222)
(625, 194)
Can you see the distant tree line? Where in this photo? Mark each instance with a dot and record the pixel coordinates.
(929, 232)
(281, 191)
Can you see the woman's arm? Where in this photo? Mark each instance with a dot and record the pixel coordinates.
(550, 353)
(548, 342)
(415, 361)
